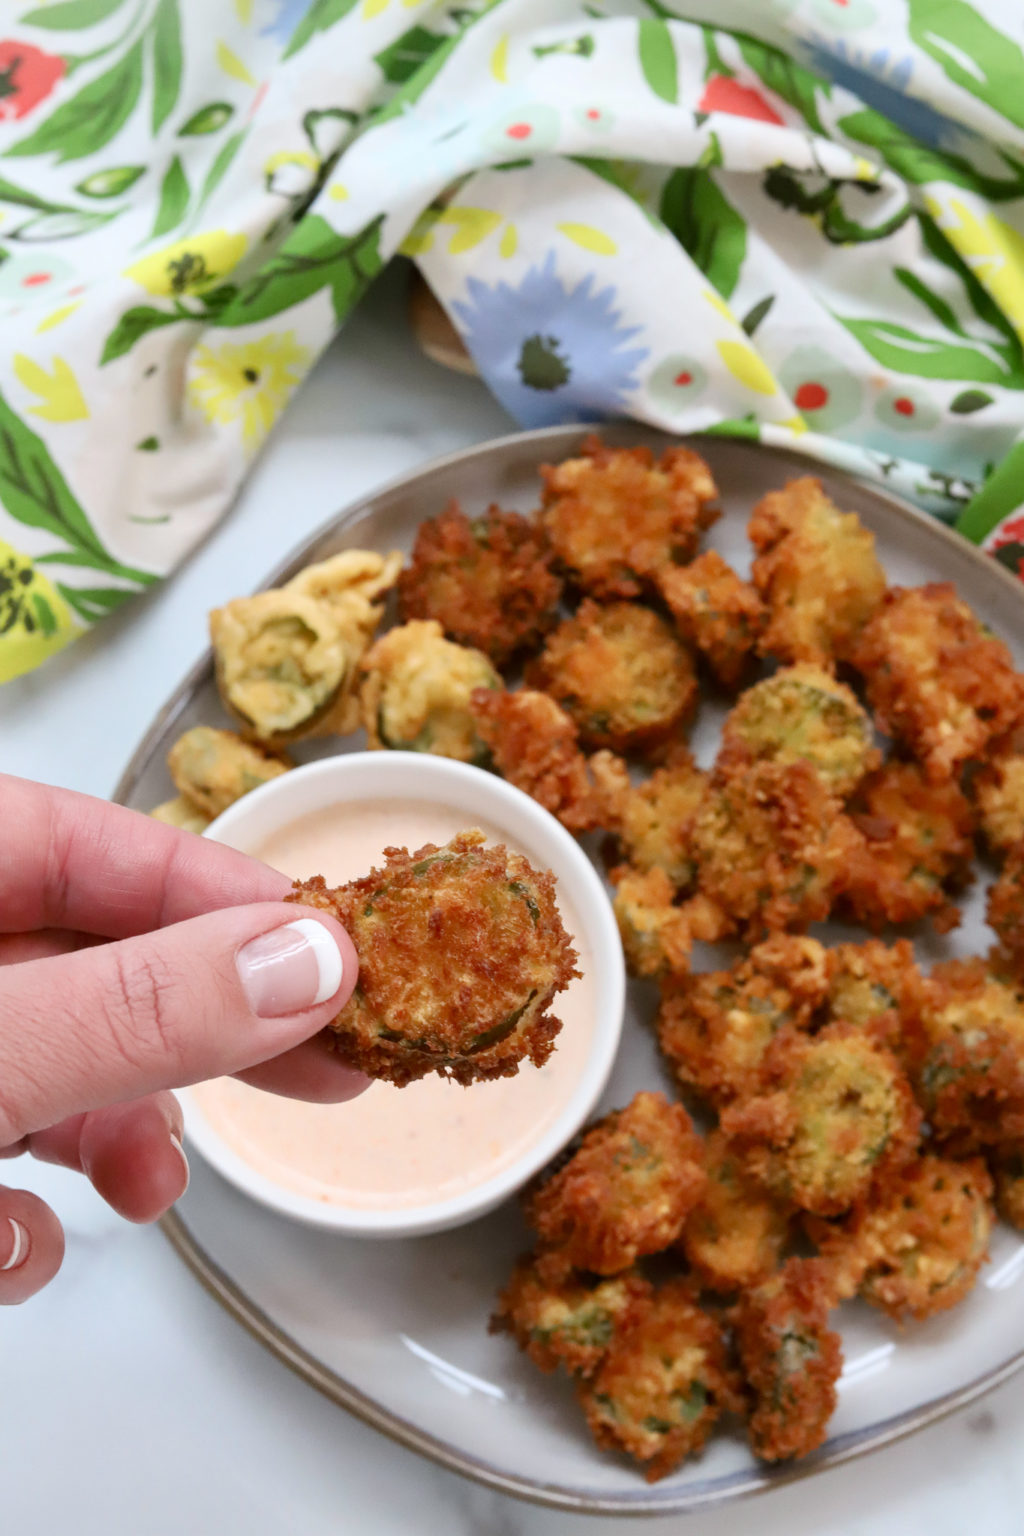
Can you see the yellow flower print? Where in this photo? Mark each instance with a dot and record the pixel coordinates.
(35, 621)
(249, 381)
(992, 249)
(189, 265)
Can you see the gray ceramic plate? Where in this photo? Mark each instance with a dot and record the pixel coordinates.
(396, 1332)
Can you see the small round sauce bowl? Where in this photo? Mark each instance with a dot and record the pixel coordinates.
(417, 1126)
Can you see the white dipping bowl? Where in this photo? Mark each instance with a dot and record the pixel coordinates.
(477, 795)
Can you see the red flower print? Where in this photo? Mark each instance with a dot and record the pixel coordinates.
(27, 76)
(811, 397)
(724, 95)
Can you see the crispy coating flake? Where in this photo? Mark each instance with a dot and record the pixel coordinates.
(180, 812)
(651, 821)
(663, 1384)
(487, 581)
(772, 845)
(1008, 1173)
(917, 848)
(570, 1321)
(969, 1070)
(616, 517)
(354, 585)
(657, 933)
(877, 988)
(1005, 908)
(625, 1191)
(816, 570)
(916, 1249)
(998, 789)
(836, 1117)
(461, 953)
(791, 1359)
(535, 745)
(734, 1236)
(802, 714)
(715, 1027)
(417, 689)
(935, 678)
(717, 611)
(212, 769)
(621, 674)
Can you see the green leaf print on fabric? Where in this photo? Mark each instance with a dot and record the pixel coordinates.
(919, 164)
(658, 58)
(321, 15)
(218, 170)
(738, 426)
(89, 120)
(167, 61)
(979, 298)
(207, 120)
(968, 401)
(71, 15)
(313, 257)
(825, 204)
(1001, 494)
(708, 228)
(174, 196)
(797, 86)
(400, 61)
(974, 54)
(136, 323)
(904, 351)
(111, 182)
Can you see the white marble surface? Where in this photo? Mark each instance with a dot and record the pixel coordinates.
(131, 1405)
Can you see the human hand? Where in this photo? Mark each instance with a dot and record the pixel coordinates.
(208, 973)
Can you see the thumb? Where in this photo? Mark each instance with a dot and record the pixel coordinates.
(200, 999)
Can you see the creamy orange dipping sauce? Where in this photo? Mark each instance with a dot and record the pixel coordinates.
(398, 1147)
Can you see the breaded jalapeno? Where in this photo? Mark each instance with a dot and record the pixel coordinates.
(969, 1069)
(735, 1235)
(567, 1320)
(715, 610)
(461, 952)
(212, 769)
(416, 692)
(534, 744)
(802, 714)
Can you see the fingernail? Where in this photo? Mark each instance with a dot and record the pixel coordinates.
(19, 1252)
(289, 969)
(176, 1144)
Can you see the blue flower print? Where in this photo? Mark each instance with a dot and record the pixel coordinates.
(881, 82)
(551, 353)
(289, 14)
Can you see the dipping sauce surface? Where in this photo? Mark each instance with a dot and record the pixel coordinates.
(399, 1147)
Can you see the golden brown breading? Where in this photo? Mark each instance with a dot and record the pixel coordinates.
(1005, 909)
(734, 1236)
(488, 582)
(969, 1059)
(772, 845)
(917, 848)
(461, 952)
(791, 1359)
(917, 1247)
(935, 678)
(570, 1321)
(816, 570)
(625, 1191)
(535, 745)
(998, 789)
(1007, 1170)
(416, 692)
(876, 987)
(715, 1027)
(213, 769)
(663, 1384)
(717, 611)
(621, 674)
(835, 1117)
(616, 517)
(180, 812)
(656, 936)
(802, 714)
(651, 821)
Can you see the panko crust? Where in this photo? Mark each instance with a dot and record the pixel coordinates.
(616, 516)
(621, 674)
(969, 1057)
(625, 1191)
(534, 744)
(791, 1359)
(816, 571)
(651, 821)
(657, 932)
(416, 692)
(1007, 1169)
(734, 1236)
(663, 1384)
(1005, 909)
(835, 1118)
(212, 769)
(917, 849)
(487, 580)
(715, 1027)
(716, 611)
(998, 790)
(570, 1321)
(802, 714)
(877, 988)
(772, 846)
(935, 678)
(461, 953)
(916, 1249)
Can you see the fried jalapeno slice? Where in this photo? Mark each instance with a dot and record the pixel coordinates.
(180, 812)
(876, 988)
(487, 581)
(791, 1359)
(651, 821)
(417, 689)
(616, 516)
(816, 571)
(734, 1236)
(935, 678)
(802, 714)
(998, 790)
(570, 1320)
(969, 1059)
(212, 769)
(625, 1191)
(534, 744)
(461, 953)
(835, 1117)
(916, 1249)
(657, 935)
(716, 611)
(715, 1027)
(917, 849)
(1005, 909)
(621, 674)
(663, 1384)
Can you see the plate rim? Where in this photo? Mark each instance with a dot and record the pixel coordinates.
(646, 1502)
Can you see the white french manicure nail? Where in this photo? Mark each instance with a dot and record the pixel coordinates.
(289, 969)
(176, 1144)
(19, 1253)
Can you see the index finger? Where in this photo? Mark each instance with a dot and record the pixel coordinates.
(71, 861)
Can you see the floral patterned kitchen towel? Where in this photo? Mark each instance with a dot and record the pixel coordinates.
(794, 220)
